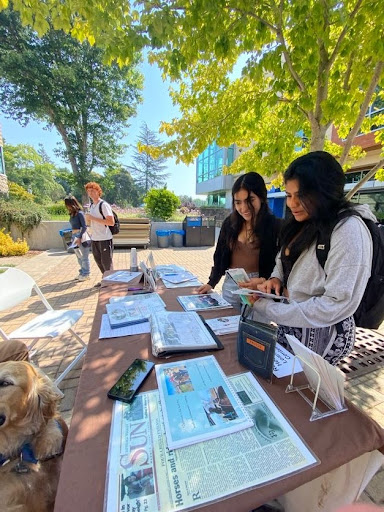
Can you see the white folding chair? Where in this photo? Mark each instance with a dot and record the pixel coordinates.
(15, 287)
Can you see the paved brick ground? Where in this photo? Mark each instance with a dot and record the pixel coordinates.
(54, 271)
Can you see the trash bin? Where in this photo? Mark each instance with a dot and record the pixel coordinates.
(162, 238)
(177, 236)
(66, 235)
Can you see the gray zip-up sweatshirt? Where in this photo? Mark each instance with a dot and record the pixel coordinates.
(322, 297)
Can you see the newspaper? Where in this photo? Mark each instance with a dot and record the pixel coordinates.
(106, 331)
(224, 324)
(144, 475)
(203, 302)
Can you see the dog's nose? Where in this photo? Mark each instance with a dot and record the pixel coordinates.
(2, 419)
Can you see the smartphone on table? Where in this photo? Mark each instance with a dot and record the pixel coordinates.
(131, 380)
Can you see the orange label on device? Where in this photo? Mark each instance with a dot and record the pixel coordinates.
(256, 344)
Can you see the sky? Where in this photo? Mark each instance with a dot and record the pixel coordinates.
(156, 107)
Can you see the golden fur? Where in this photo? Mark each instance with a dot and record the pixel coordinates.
(28, 414)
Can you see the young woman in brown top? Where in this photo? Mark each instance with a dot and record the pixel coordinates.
(249, 238)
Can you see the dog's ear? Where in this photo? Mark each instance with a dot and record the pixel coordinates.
(49, 395)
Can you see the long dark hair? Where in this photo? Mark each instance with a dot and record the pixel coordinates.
(251, 182)
(73, 205)
(321, 191)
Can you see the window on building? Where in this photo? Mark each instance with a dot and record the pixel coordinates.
(356, 176)
(217, 199)
(375, 200)
(211, 161)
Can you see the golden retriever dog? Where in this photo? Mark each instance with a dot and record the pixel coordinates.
(32, 438)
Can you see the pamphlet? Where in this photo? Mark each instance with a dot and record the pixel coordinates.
(247, 292)
(224, 324)
(332, 379)
(106, 330)
(174, 332)
(153, 300)
(121, 314)
(238, 275)
(203, 302)
(149, 278)
(122, 276)
(198, 402)
(176, 278)
(186, 284)
(144, 474)
(282, 364)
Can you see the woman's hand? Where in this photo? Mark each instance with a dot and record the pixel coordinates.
(271, 285)
(206, 288)
(253, 283)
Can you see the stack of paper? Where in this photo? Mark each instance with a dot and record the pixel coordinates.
(129, 314)
(122, 276)
(332, 379)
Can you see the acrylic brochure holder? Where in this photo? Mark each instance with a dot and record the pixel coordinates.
(316, 412)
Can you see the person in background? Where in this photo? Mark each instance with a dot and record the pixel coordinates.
(322, 301)
(102, 243)
(79, 227)
(249, 238)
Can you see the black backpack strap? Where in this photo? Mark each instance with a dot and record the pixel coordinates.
(101, 209)
(324, 238)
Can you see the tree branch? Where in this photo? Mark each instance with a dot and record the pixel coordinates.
(366, 178)
(363, 109)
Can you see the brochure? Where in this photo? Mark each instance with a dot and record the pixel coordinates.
(187, 284)
(176, 278)
(198, 402)
(149, 278)
(121, 314)
(224, 324)
(144, 474)
(246, 292)
(152, 300)
(106, 330)
(203, 302)
(122, 276)
(173, 332)
(238, 275)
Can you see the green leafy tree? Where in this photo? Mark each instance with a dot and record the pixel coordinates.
(305, 65)
(148, 170)
(33, 171)
(65, 84)
(161, 203)
(119, 188)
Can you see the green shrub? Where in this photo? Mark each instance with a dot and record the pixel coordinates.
(10, 248)
(57, 209)
(161, 204)
(24, 214)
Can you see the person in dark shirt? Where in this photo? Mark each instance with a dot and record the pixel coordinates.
(249, 238)
(79, 228)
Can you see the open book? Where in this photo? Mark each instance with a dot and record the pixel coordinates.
(174, 331)
(332, 379)
(203, 302)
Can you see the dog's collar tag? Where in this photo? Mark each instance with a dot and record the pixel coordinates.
(20, 466)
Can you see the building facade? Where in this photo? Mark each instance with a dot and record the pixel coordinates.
(210, 179)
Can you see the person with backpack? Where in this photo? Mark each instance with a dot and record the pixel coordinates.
(100, 218)
(322, 300)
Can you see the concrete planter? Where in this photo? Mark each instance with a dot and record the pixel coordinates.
(45, 236)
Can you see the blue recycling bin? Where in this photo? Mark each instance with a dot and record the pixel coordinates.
(66, 236)
(177, 237)
(162, 238)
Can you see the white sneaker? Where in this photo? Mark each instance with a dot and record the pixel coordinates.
(83, 278)
(77, 278)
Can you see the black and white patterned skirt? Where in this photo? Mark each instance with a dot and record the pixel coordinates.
(333, 343)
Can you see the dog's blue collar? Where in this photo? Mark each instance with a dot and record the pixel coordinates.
(26, 454)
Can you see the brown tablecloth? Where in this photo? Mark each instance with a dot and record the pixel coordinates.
(335, 440)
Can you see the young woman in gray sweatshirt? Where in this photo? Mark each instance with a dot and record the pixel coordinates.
(322, 301)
